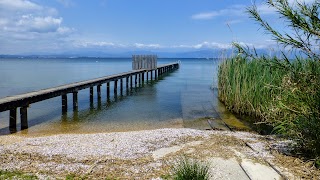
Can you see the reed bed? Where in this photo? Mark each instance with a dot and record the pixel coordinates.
(244, 85)
(281, 93)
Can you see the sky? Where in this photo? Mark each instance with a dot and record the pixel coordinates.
(64, 26)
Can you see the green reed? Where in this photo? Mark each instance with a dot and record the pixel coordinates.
(280, 93)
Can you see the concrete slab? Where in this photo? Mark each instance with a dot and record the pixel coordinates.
(160, 153)
(226, 169)
(257, 171)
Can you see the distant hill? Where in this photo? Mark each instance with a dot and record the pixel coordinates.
(204, 53)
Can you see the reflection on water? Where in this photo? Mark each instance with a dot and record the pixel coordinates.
(183, 98)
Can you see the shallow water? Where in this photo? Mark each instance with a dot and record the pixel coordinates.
(178, 99)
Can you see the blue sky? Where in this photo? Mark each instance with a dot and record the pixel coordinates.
(60, 26)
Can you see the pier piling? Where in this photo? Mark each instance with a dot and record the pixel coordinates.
(99, 91)
(108, 91)
(121, 86)
(24, 117)
(91, 95)
(64, 98)
(13, 120)
(75, 100)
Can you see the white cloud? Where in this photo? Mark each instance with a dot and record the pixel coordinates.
(240, 10)
(235, 10)
(38, 24)
(18, 5)
(93, 44)
(153, 46)
(205, 45)
(26, 23)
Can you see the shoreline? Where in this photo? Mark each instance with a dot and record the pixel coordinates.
(142, 154)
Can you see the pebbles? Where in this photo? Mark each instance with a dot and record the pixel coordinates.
(125, 154)
(123, 145)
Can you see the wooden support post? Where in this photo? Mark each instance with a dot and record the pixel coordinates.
(135, 80)
(24, 117)
(121, 86)
(151, 75)
(64, 99)
(99, 91)
(142, 77)
(91, 95)
(155, 74)
(108, 91)
(13, 120)
(75, 101)
(138, 78)
(127, 83)
(115, 90)
(147, 75)
(131, 81)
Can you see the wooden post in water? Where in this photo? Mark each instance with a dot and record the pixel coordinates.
(135, 80)
(108, 91)
(131, 81)
(64, 98)
(127, 83)
(91, 95)
(99, 91)
(151, 75)
(143, 78)
(75, 101)
(115, 90)
(121, 86)
(147, 76)
(24, 117)
(13, 120)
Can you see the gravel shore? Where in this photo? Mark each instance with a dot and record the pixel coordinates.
(126, 155)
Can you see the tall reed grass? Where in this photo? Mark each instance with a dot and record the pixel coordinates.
(281, 93)
(244, 85)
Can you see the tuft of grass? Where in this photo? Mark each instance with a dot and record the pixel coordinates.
(16, 175)
(191, 170)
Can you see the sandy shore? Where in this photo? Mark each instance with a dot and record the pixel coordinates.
(135, 155)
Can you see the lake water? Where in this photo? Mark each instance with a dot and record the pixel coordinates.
(179, 99)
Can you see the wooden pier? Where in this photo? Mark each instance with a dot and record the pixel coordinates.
(12, 103)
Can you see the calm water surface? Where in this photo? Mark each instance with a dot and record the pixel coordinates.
(175, 100)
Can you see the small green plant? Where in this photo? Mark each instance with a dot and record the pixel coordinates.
(16, 175)
(187, 169)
